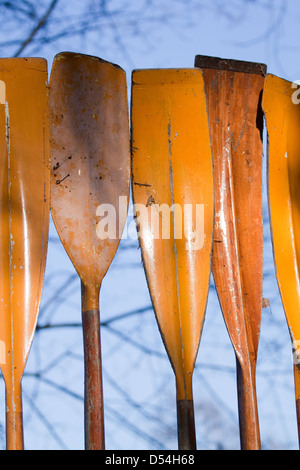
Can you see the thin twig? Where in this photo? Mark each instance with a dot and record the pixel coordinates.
(39, 26)
(45, 421)
(107, 322)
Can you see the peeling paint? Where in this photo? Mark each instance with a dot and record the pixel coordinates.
(7, 127)
(2, 92)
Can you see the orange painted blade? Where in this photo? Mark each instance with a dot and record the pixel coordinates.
(172, 165)
(90, 169)
(233, 91)
(282, 112)
(24, 213)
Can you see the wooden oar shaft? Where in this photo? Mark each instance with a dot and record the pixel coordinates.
(186, 425)
(297, 396)
(248, 411)
(185, 412)
(93, 389)
(14, 418)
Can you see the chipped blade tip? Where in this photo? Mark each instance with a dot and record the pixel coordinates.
(233, 65)
(66, 55)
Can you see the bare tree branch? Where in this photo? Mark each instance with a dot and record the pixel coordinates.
(39, 26)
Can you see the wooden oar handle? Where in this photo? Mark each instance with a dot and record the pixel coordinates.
(93, 390)
(14, 418)
(248, 411)
(186, 425)
(14, 430)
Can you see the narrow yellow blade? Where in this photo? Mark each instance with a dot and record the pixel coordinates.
(172, 167)
(282, 111)
(24, 215)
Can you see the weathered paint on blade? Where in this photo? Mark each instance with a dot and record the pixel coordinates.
(90, 158)
(283, 121)
(236, 125)
(282, 112)
(172, 164)
(24, 210)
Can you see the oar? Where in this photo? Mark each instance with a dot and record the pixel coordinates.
(172, 168)
(282, 112)
(233, 90)
(24, 215)
(90, 172)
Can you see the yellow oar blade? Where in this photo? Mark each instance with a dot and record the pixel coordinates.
(282, 112)
(24, 213)
(172, 169)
